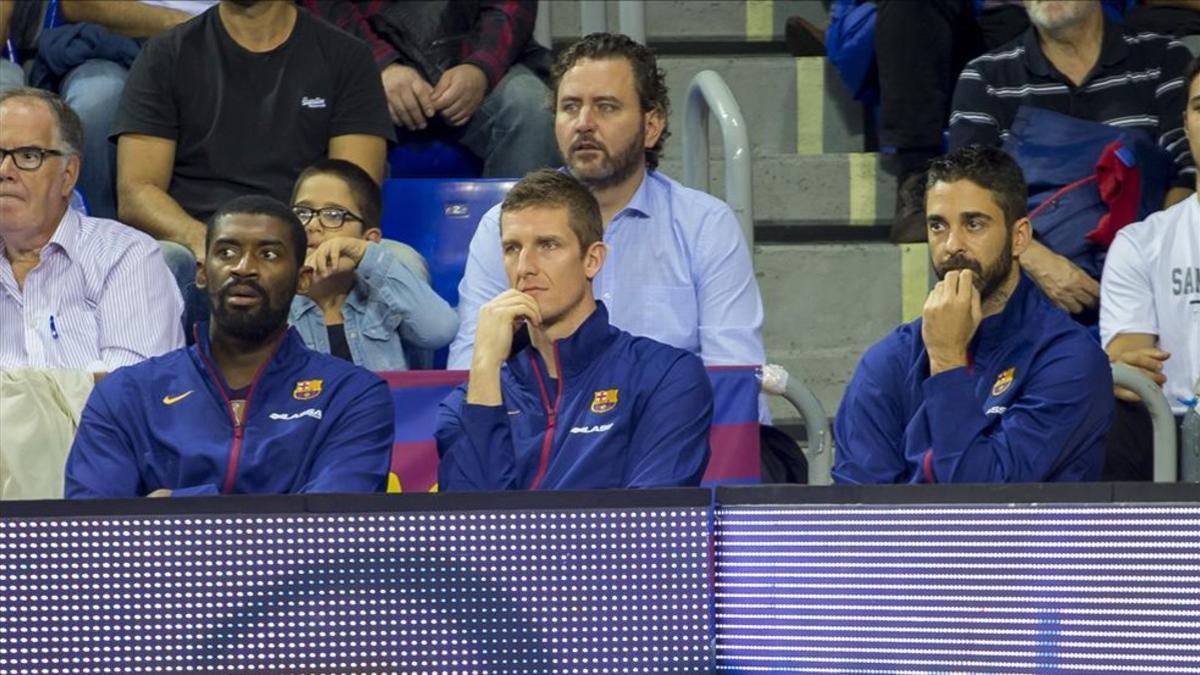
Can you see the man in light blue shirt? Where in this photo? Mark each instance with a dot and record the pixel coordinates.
(678, 267)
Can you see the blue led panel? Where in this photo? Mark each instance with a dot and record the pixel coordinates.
(623, 590)
(908, 589)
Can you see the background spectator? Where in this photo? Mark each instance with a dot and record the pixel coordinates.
(1074, 63)
(11, 75)
(364, 304)
(75, 291)
(467, 71)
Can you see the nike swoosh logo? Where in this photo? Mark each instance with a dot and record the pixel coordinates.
(172, 400)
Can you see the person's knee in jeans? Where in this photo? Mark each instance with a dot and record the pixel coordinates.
(513, 131)
(182, 264)
(93, 90)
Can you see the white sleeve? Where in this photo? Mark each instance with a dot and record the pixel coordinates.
(1126, 294)
(483, 280)
(139, 308)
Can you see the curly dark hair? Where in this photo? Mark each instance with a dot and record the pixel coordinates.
(991, 169)
(651, 81)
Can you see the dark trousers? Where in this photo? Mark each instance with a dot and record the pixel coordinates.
(920, 48)
(1129, 446)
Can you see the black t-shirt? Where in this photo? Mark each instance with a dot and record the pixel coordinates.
(246, 122)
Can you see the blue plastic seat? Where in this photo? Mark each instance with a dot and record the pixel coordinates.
(438, 217)
(432, 158)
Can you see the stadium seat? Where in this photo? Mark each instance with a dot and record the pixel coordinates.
(438, 217)
(432, 158)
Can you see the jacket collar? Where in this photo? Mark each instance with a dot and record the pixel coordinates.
(576, 352)
(1113, 50)
(289, 351)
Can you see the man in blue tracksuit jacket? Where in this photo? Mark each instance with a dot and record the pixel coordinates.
(993, 384)
(557, 397)
(248, 409)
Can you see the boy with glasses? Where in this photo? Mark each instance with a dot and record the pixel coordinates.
(365, 304)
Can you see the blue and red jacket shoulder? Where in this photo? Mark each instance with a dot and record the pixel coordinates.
(1033, 406)
(311, 423)
(625, 412)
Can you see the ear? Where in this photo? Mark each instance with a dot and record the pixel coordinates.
(593, 259)
(655, 123)
(72, 176)
(373, 235)
(201, 276)
(1022, 236)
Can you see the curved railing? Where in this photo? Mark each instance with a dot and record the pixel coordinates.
(1166, 458)
(709, 93)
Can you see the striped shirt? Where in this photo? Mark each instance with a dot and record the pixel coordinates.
(1137, 82)
(100, 297)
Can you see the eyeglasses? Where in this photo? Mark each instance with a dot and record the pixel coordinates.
(331, 217)
(30, 157)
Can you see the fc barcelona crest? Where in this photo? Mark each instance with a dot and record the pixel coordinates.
(1003, 381)
(307, 390)
(604, 400)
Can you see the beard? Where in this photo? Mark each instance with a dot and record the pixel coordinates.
(1056, 15)
(987, 281)
(247, 324)
(613, 170)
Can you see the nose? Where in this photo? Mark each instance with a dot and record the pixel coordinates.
(8, 166)
(246, 265)
(955, 240)
(585, 121)
(527, 263)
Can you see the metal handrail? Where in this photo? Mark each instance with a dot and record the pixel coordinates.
(1166, 457)
(819, 450)
(708, 92)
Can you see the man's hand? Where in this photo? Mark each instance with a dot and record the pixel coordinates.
(1061, 280)
(409, 96)
(950, 318)
(460, 92)
(161, 492)
(336, 255)
(1149, 361)
(498, 320)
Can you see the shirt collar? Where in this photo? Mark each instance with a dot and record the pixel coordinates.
(1113, 50)
(640, 202)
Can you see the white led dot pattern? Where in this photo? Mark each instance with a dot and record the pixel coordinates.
(918, 589)
(581, 591)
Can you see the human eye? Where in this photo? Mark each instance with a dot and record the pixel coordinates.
(976, 224)
(606, 106)
(569, 106)
(225, 252)
(270, 254)
(510, 249)
(28, 154)
(549, 244)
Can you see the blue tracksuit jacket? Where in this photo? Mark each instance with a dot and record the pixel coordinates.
(625, 412)
(312, 423)
(1034, 404)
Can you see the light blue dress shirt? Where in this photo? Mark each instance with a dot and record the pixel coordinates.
(388, 308)
(678, 271)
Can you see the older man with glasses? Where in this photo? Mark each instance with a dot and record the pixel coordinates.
(79, 296)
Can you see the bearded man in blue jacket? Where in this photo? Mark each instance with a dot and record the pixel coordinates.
(994, 383)
(557, 397)
(248, 408)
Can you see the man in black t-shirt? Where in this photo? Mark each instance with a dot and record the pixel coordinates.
(238, 101)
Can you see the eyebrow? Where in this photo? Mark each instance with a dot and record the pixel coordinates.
(256, 242)
(974, 214)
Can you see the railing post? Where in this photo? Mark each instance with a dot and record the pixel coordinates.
(541, 27)
(593, 16)
(631, 18)
(708, 92)
(1166, 452)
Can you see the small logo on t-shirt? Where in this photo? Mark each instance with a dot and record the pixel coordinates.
(314, 413)
(306, 390)
(312, 102)
(604, 400)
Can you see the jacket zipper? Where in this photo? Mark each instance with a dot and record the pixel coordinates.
(551, 415)
(239, 427)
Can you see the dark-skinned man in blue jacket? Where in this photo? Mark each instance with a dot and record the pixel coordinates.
(994, 383)
(248, 408)
(558, 398)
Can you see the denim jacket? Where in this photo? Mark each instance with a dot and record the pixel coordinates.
(387, 308)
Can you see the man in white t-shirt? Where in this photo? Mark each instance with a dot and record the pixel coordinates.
(1150, 312)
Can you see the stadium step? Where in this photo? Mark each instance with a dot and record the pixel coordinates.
(827, 302)
(845, 188)
(692, 20)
